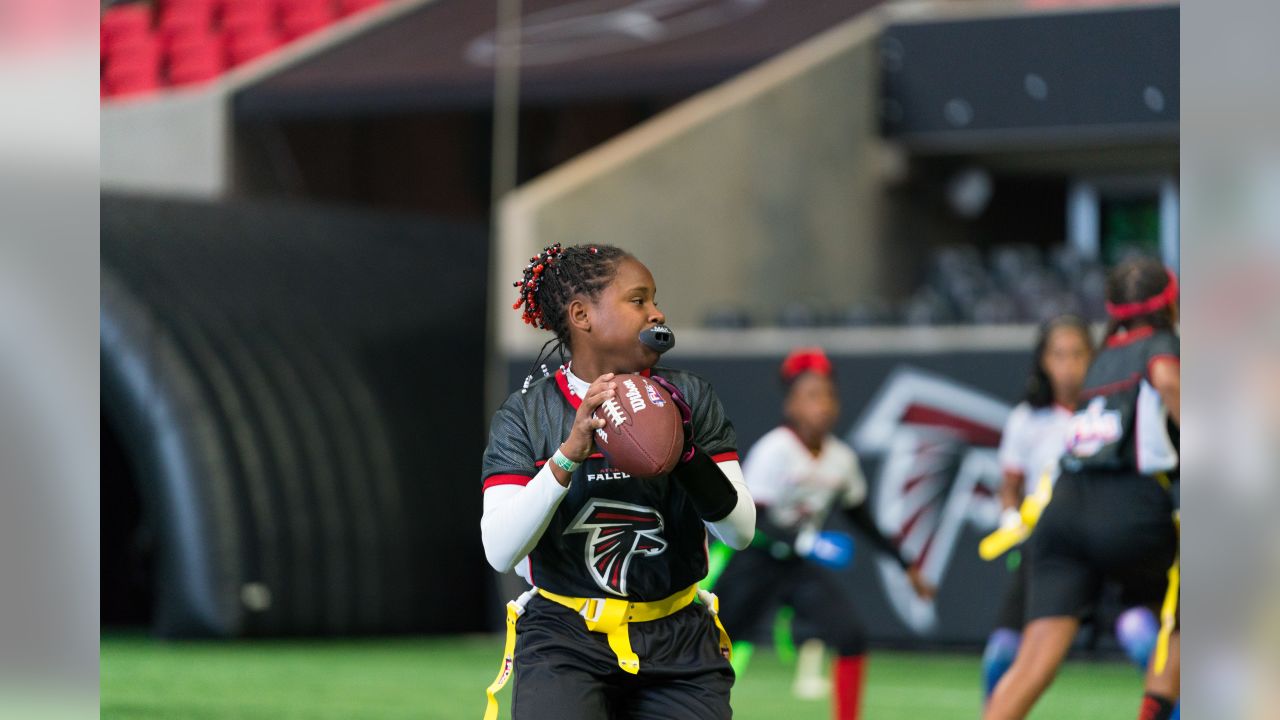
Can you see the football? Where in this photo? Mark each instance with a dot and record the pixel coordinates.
(642, 434)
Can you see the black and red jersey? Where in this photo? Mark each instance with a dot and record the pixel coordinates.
(612, 534)
(1123, 425)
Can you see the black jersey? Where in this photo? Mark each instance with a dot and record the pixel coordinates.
(612, 534)
(1123, 425)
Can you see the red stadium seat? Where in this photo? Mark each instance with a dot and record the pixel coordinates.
(197, 57)
(248, 46)
(131, 74)
(348, 7)
(190, 41)
(145, 50)
(186, 18)
(250, 17)
(196, 68)
(302, 19)
(124, 21)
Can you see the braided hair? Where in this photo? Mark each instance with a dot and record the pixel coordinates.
(552, 279)
(1137, 282)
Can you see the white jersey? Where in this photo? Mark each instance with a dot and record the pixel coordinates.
(1033, 441)
(797, 488)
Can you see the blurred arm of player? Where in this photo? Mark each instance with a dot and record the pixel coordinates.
(516, 516)
(857, 512)
(764, 473)
(1013, 471)
(1166, 379)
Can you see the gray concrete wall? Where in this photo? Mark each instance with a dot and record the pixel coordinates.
(173, 144)
(762, 190)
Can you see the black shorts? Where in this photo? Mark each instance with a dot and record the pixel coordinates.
(755, 584)
(563, 670)
(1013, 608)
(1098, 528)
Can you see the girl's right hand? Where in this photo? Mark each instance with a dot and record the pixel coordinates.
(578, 446)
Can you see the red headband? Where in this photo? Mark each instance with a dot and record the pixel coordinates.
(1163, 299)
(802, 360)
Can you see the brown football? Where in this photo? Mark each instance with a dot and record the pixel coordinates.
(642, 434)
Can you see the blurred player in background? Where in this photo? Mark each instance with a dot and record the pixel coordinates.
(798, 473)
(1112, 514)
(610, 629)
(1031, 445)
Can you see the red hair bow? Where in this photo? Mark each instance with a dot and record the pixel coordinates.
(802, 360)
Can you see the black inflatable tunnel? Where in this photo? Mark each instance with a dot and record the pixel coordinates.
(296, 396)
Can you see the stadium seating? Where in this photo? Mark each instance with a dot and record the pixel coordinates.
(962, 286)
(146, 47)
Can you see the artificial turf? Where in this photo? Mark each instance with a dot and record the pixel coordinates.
(444, 679)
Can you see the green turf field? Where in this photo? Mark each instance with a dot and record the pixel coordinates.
(444, 679)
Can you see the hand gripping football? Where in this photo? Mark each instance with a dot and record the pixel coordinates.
(642, 434)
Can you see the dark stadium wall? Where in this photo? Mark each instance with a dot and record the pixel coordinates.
(294, 395)
(957, 386)
(435, 162)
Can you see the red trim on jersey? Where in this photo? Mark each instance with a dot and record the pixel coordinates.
(563, 381)
(1109, 388)
(1162, 356)
(509, 479)
(971, 431)
(529, 559)
(620, 516)
(725, 456)
(1122, 339)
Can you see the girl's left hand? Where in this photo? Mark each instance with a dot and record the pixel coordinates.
(686, 415)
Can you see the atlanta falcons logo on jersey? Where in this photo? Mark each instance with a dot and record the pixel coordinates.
(617, 532)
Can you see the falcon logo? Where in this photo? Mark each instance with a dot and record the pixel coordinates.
(935, 440)
(617, 532)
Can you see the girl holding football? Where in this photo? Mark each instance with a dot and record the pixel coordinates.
(611, 628)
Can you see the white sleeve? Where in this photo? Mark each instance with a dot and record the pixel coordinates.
(856, 483)
(764, 470)
(515, 517)
(738, 527)
(1012, 453)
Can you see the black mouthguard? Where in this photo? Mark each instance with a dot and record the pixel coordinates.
(659, 337)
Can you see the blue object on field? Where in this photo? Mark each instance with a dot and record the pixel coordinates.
(1002, 648)
(1137, 630)
(833, 549)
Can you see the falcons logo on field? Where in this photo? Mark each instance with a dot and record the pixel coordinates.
(617, 532)
(936, 444)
